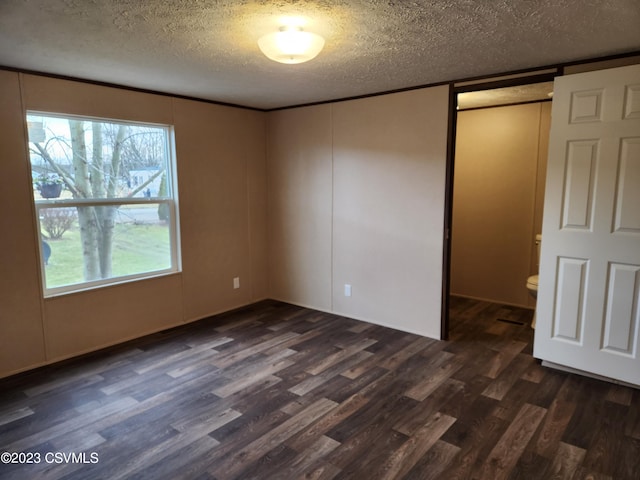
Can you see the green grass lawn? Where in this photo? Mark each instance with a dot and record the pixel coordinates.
(136, 249)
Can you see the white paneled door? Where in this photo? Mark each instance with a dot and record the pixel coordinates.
(588, 312)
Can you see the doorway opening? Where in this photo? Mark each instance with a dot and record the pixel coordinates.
(496, 167)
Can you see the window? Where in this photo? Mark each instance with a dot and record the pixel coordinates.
(104, 194)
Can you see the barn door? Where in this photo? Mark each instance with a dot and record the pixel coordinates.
(588, 315)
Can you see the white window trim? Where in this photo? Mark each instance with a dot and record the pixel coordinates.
(174, 233)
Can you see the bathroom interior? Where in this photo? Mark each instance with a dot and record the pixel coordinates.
(498, 193)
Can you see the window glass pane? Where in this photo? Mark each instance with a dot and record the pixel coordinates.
(138, 241)
(84, 159)
(105, 200)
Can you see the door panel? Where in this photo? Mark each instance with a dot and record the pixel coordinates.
(628, 197)
(578, 186)
(622, 316)
(588, 300)
(570, 295)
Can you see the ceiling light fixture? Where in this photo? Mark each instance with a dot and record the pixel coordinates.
(291, 45)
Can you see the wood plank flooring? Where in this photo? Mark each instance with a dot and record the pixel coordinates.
(274, 391)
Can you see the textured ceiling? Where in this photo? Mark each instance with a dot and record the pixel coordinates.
(505, 96)
(207, 48)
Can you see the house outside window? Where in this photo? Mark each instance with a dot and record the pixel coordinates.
(105, 199)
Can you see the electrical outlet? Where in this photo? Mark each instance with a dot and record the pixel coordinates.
(236, 282)
(347, 290)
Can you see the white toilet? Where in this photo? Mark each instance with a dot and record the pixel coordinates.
(532, 281)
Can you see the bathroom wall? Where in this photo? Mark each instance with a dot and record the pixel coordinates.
(500, 167)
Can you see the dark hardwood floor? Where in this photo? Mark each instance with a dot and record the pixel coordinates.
(275, 391)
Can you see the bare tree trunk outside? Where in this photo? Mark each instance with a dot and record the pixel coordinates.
(107, 213)
(97, 174)
(96, 223)
(86, 215)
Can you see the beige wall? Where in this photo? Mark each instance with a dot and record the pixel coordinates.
(222, 198)
(541, 177)
(300, 206)
(500, 167)
(214, 145)
(21, 335)
(356, 192)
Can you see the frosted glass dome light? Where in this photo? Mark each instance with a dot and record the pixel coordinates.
(291, 45)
